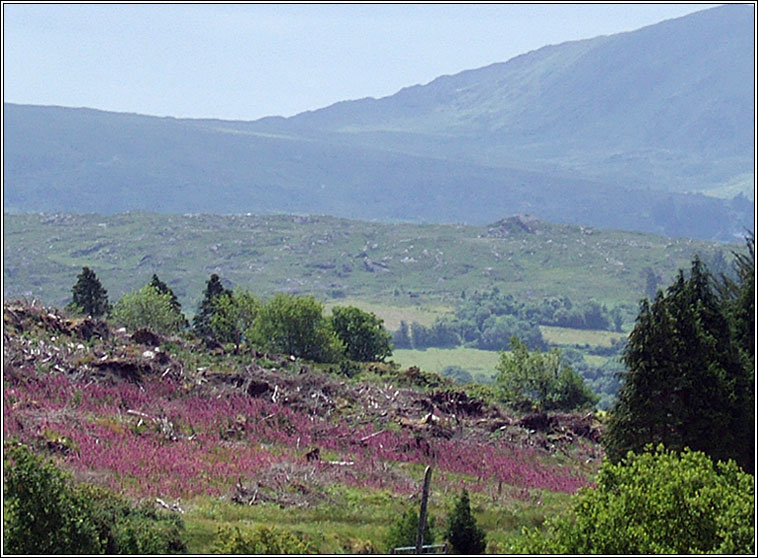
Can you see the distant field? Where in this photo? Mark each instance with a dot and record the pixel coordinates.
(475, 361)
(393, 315)
(570, 336)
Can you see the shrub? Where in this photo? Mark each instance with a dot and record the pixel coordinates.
(144, 531)
(658, 502)
(45, 514)
(404, 530)
(458, 374)
(262, 540)
(295, 325)
(233, 315)
(541, 379)
(150, 309)
(463, 534)
(41, 512)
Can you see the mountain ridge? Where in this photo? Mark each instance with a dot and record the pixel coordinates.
(535, 139)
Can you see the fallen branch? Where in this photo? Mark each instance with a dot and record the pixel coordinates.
(173, 507)
(367, 438)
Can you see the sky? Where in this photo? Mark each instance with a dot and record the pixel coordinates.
(247, 61)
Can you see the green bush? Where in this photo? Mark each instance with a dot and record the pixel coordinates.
(233, 315)
(262, 540)
(150, 309)
(144, 531)
(42, 514)
(45, 514)
(295, 325)
(540, 379)
(404, 530)
(463, 534)
(657, 502)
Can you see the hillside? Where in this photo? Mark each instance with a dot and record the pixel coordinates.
(626, 131)
(400, 266)
(669, 94)
(266, 438)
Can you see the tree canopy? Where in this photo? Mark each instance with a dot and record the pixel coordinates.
(657, 502)
(540, 379)
(233, 316)
(685, 384)
(150, 309)
(362, 333)
(89, 296)
(296, 325)
(163, 288)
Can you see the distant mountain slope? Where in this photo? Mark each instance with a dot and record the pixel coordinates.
(607, 132)
(679, 94)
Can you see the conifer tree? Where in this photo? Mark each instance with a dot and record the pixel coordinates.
(201, 323)
(685, 385)
(89, 296)
(402, 337)
(463, 534)
(163, 288)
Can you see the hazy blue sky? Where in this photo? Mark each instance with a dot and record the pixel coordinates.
(255, 60)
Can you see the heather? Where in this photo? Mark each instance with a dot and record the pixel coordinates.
(274, 439)
(155, 438)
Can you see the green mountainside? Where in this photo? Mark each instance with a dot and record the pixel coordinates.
(668, 106)
(627, 131)
(396, 265)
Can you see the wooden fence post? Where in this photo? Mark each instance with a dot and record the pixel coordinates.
(422, 513)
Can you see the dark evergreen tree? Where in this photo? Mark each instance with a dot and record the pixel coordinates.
(738, 299)
(401, 339)
(89, 296)
(685, 385)
(462, 532)
(652, 281)
(162, 288)
(201, 323)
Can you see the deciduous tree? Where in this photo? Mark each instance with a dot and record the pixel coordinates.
(657, 502)
(165, 289)
(150, 309)
(363, 334)
(539, 379)
(233, 316)
(296, 325)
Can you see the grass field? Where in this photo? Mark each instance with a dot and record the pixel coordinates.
(475, 361)
(393, 315)
(356, 520)
(570, 336)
